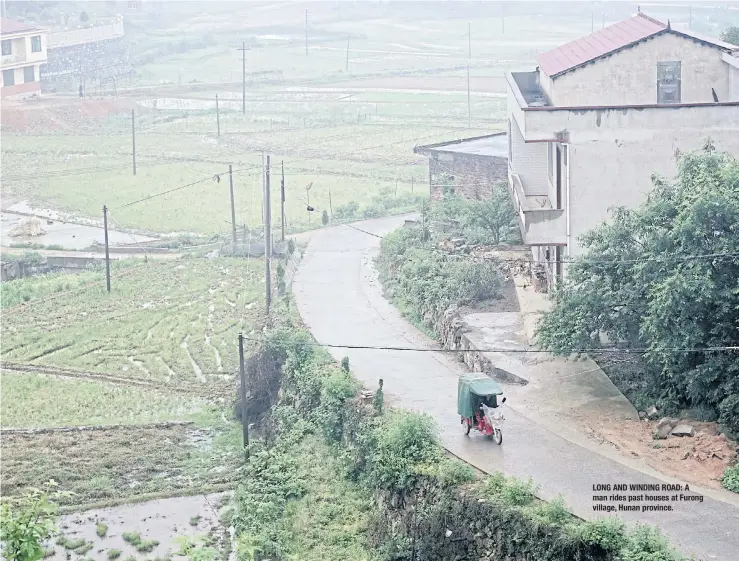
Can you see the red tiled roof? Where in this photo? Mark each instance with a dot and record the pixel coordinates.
(609, 40)
(612, 38)
(10, 26)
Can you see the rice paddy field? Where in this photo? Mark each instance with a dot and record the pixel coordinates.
(127, 394)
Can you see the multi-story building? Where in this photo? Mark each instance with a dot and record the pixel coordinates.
(23, 53)
(600, 115)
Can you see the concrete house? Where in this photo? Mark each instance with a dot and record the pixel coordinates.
(468, 167)
(598, 116)
(23, 53)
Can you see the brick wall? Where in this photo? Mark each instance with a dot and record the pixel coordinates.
(100, 60)
(466, 175)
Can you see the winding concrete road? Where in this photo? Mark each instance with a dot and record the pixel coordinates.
(341, 301)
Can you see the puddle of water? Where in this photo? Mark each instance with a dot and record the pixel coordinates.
(163, 520)
(69, 236)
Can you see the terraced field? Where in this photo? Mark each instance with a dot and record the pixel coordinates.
(127, 394)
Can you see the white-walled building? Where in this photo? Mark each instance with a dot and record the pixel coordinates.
(23, 53)
(600, 115)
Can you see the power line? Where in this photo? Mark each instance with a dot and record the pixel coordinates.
(210, 178)
(518, 350)
(215, 176)
(688, 257)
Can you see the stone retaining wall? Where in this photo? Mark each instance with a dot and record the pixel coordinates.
(452, 334)
(449, 524)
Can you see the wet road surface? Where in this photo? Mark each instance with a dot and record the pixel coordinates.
(341, 302)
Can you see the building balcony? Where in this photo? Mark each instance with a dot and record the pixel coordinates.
(15, 58)
(540, 223)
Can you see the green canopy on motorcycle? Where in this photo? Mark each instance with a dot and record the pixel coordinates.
(475, 388)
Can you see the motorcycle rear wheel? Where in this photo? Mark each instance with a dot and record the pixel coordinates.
(498, 436)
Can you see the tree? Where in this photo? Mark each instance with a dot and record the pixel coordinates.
(84, 18)
(643, 283)
(324, 218)
(731, 35)
(26, 522)
(495, 217)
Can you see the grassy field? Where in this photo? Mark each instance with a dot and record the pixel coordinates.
(38, 400)
(161, 347)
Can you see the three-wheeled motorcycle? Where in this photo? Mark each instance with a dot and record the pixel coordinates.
(477, 404)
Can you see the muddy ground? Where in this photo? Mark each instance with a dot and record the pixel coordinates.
(166, 521)
(118, 463)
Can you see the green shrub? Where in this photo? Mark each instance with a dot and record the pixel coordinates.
(374, 210)
(290, 246)
(424, 283)
(347, 211)
(26, 522)
(510, 491)
(335, 391)
(345, 364)
(449, 472)
(403, 443)
(324, 218)
(730, 479)
(646, 543)
(114, 554)
(609, 533)
(554, 512)
(729, 413)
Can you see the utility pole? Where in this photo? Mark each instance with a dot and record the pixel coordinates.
(133, 139)
(267, 238)
(347, 54)
(306, 33)
(244, 416)
(243, 50)
(107, 255)
(690, 17)
(282, 199)
(233, 207)
(469, 41)
(592, 20)
(469, 61)
(218, 117)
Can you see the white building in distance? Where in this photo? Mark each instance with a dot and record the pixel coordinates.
(23, 53)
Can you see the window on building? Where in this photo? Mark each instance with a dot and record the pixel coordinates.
(29, 74)
(36, 44)
(668, 82)
(9, 77)
(7, 47)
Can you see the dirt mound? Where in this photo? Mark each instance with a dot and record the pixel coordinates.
(27, 228)
(701, 459)
(60, 114)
